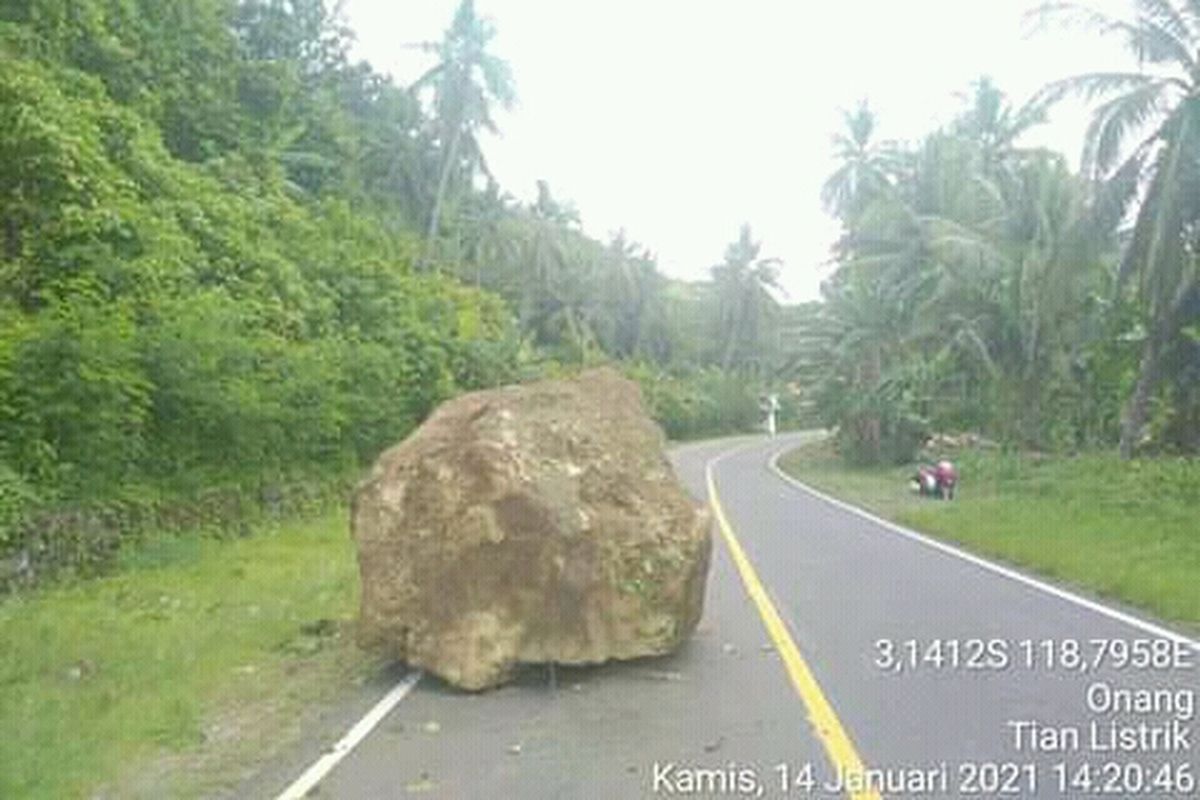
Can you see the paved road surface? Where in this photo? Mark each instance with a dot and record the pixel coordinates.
(729, 702)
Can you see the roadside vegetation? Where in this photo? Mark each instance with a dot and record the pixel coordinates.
(1120, 530)
(231, 258)
(235, 265)
(982, 285)
(192, 662)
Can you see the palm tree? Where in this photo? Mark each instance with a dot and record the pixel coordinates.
(1010, 299)
(743, 282)
(861, 331)
(1158, 107)
(552, 284)
(485, 222)
(633, 292)
(466, 81)
(994, 126)
(865, 169)
(547, 208)
(922, 262)
(881, 239)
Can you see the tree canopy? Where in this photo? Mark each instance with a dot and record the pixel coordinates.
(981, 284)
(228, 252)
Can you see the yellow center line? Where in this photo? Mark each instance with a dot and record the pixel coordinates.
(825, 723)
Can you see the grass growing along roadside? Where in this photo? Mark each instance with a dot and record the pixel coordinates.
(1129, 531)
(170, 676)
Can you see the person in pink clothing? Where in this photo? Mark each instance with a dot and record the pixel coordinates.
(939, 480)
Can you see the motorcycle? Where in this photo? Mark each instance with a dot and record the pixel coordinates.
(935, 480)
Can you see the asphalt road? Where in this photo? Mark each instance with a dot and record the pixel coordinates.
(973, 649)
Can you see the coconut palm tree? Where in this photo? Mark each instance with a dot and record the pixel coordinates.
(994, 126)
(743, 282)
(1143, 144)
(1010, 299)
(467, 81)
(558, 212)
(633, 293)
(865, 167)
(485, 223)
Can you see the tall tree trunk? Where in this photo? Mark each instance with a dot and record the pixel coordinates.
(735, 334)
(1162, 325)
(439, 198)
(1138, 407)
(1027, 413)
(874, 426)
(1031, 412)
(1149, 370)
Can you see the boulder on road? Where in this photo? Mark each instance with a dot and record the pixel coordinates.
(529, 524)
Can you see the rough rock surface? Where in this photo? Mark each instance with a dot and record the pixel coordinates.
(529, 524)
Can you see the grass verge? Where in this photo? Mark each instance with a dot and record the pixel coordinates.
(1127, 531)
(173, 676)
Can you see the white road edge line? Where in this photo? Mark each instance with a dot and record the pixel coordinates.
(1011, 574)
(321, 767)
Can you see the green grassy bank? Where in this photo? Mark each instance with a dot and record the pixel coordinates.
(169, 677)
(1128, 531)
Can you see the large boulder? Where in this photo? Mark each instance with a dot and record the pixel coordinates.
(529, 524)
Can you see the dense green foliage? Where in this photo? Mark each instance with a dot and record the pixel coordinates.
(184, 300)
(230, 257)
(969, 291)
(698, 403)
(981, 285)
(234, 265)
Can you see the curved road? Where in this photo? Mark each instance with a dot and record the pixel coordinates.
(830, 642)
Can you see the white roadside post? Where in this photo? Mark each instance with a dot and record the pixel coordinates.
(770, 405)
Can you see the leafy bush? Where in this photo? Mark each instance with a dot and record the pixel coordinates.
(74, 397)
(898, 439)
(699, 403)
(18, 501)
(873, 427)
(179, 326)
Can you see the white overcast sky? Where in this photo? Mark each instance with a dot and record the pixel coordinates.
(680, 119)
